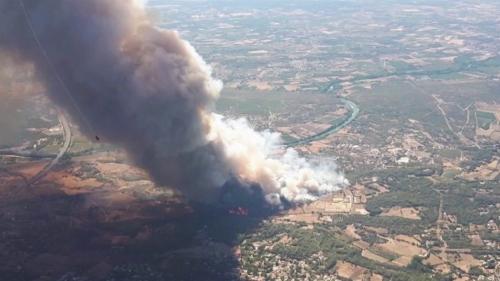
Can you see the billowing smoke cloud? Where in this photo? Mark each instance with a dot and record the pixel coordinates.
(147, 90)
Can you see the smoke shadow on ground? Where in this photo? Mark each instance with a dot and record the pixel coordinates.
(52, 236)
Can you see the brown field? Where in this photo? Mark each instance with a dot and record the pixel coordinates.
(487, 107)
(355, 273)
(433, 260)
(376, 277)
(402, 261)
(350, 271)
(407, 213)
(260, 85)
(465, 262)
(351, 232)
(443, 268)
(118, 170)
(317, 147)
(378, 230)
(379, 188)
(408, 239)
(30, 169)
(401, 248)
(72, 184)
(476, 240)
(493, 133)
(361, 244)
(488, 171)
(369, 255)
(307, 218)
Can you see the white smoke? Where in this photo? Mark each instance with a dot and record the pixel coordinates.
(261, 157)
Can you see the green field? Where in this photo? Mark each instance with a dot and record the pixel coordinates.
(485, 119)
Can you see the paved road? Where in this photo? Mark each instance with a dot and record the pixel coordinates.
(24, 154)
(67, 143)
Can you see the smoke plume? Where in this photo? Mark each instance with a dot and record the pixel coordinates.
(132, 84)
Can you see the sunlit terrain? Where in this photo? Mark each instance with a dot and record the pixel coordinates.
(402, 98)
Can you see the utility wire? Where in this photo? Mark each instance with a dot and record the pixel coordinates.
(53, 69)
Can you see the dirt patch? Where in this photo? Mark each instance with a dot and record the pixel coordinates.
(443, 268)
(118, 170)
(433, 260)
(407, 213)
(351, 232)
(306, 217)
(493, 108)
(350, 271)
(376, 277)
(402, 261)
(465, 262)
(355, 273)
(401, 248)
(378, 230)
(476, 240)
(72, 184)
(374, 257)
(292, 87)
(487, 172)
(317, 147)
(377, 188)
(493, 132)
(361, 244)
(31, 169)
(285, 240)
(408, 239)
(260, 85)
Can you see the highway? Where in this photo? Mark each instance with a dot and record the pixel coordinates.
(67, 143)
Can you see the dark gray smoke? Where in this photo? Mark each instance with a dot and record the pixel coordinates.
(145, 89)
(127, 82)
